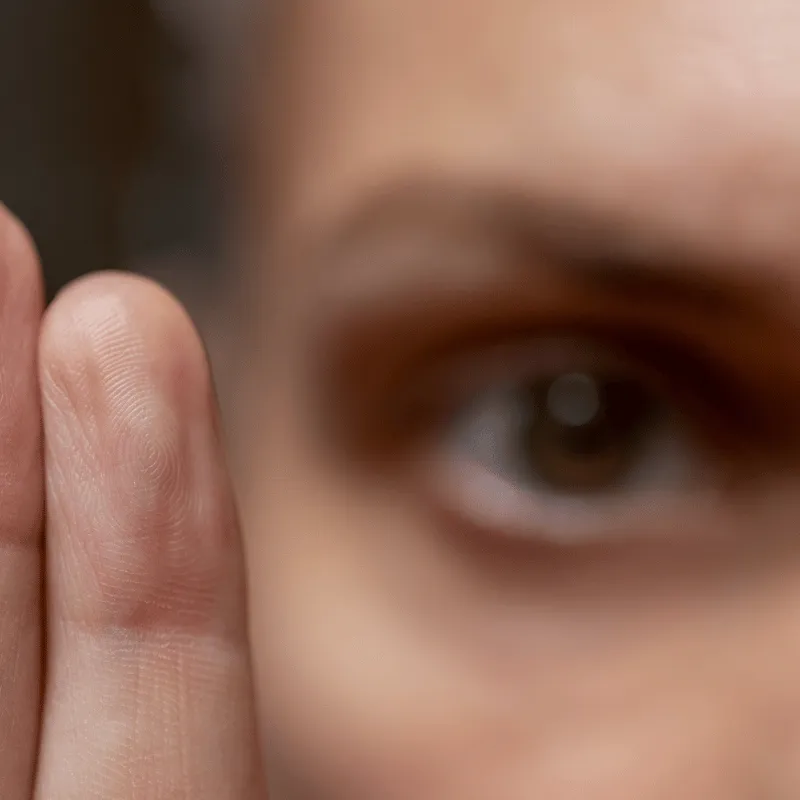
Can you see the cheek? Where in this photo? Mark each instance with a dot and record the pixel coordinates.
(373, 683)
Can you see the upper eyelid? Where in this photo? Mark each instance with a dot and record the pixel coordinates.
(382, 338)
(713, 395)
(420, 297)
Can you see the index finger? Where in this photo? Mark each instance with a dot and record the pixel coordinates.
(149, 686)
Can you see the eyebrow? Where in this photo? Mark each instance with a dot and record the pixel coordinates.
(602, 254)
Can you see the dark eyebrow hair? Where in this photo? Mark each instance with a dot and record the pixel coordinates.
(605, 255)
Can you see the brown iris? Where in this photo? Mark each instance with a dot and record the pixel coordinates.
(582, 432)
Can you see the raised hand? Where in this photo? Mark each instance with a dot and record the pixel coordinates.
(124, 664)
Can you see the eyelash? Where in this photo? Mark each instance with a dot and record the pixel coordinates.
(729, 415)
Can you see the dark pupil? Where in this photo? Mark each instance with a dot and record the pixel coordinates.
(584, 431)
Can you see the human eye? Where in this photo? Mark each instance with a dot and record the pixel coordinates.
(569, 440)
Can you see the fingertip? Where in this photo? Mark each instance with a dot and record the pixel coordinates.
(104, 297)
(122, 328)
(129, 411)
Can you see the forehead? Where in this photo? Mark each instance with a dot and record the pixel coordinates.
(681, 114)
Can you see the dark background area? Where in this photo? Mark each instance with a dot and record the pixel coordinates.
(107, 151)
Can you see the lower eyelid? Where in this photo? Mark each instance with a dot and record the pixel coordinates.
(495, 506)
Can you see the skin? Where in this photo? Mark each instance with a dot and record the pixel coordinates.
(450, 188)
(406, 651)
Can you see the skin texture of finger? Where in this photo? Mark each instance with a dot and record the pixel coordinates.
(21, 506)
(148, 687)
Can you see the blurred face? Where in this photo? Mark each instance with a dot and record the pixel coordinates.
(522, 486)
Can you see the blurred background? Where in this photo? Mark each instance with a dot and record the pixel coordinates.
(113, 123)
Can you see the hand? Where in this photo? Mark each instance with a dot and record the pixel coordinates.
(124, 664)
